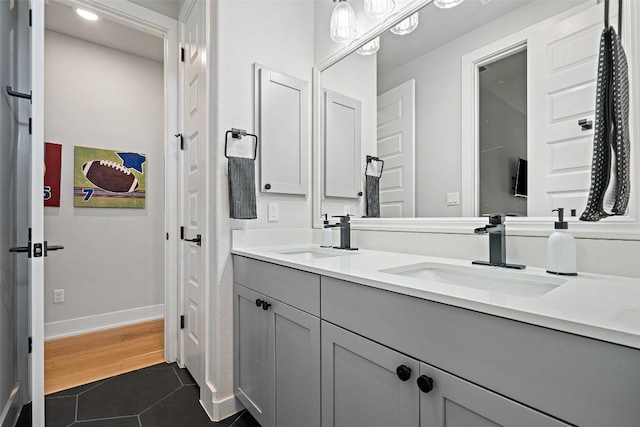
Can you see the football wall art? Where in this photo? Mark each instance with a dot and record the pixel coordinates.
(108, 178)
(52, 171)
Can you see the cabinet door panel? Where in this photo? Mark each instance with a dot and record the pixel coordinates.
(360, 386)
(250, 352)
(294, 367)
(454, 402)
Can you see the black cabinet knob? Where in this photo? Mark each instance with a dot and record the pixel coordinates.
(258, 302)
(267, 186)
(360, 193)
(425, 383)
(265, 305)
(403, 372)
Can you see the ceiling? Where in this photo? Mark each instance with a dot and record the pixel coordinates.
(63, 19)
(170, 8)
(438, 26)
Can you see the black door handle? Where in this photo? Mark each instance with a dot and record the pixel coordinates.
(19, 249)
(258, 302)
(12, 92)
(48, 248)
(265, 305)
(197, 240)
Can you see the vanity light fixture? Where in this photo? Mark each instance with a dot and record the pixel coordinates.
(370, 48)
(343, 22)
(447, 4)
(89, 16)
(406, 26)
(377, 9)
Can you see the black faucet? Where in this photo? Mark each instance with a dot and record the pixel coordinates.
(497, 243)
(345, 232)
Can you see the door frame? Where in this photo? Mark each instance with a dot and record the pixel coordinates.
(148, 21)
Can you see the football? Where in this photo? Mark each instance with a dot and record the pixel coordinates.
(110, 176)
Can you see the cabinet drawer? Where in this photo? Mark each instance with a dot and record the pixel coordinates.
(294, 287)
(580, 380)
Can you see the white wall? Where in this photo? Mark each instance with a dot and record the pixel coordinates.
(279, 35)
(356, 77)
(438, 101)
(113, 258)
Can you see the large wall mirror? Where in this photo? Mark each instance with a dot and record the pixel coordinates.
(485, 107)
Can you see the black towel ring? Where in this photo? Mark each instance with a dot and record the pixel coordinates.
(374, 159)
(239, 134)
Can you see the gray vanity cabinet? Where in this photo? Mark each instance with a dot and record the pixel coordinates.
(277, 346)
(360, 385)
(454, 402)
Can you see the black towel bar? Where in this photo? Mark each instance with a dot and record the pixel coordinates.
(239, 134)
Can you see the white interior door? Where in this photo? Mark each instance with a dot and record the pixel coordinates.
(562, 86)
(396, 146)
(343, 157)
(194, 195)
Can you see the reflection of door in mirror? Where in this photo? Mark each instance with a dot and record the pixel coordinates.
(502, 131)
(396, 122)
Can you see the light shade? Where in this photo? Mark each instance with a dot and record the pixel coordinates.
(447, 4)
(406, 26)
(370, 48)
(377, 9)
(89, 16)
(343, 23)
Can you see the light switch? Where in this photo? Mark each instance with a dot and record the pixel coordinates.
(273, 212)
(453, 199)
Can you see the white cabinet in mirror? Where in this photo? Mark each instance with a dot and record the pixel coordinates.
(498, 90)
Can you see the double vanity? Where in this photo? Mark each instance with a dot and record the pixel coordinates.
(326, 337)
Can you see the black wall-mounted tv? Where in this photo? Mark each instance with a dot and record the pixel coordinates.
(520, 186)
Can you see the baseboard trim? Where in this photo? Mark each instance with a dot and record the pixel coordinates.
(81, 325)
(11, 411)
(218, 410)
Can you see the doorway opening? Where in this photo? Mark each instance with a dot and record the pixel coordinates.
(502, 135)
(106, 97)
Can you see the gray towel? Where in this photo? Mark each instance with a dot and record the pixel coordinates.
(373, 196)
(612, 130)
(242, 188)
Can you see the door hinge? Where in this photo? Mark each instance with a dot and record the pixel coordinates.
(167, 234)
(30, 345)
(30, 17)
(182, 54)
(181, 136)
(182, 233)
(182, 322)
(30, 125)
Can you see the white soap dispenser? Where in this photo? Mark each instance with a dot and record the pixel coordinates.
(327, 233)
(561, 249)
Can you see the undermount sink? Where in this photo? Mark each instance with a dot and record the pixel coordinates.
(313, 253)
(481, 278)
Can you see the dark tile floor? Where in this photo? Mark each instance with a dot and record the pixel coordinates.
(158, 396)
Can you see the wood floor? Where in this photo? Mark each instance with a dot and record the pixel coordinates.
(81, 359)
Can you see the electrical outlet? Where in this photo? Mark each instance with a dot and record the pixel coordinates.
(58, 296)
(453, 199)
(273, 212)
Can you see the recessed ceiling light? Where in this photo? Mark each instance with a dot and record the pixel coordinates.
(89, 16)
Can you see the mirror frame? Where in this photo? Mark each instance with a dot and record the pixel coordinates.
(613, 228)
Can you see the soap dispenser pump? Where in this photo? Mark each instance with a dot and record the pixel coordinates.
(327, 233)
(561, 249)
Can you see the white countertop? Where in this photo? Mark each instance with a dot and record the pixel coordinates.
(596, 306)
